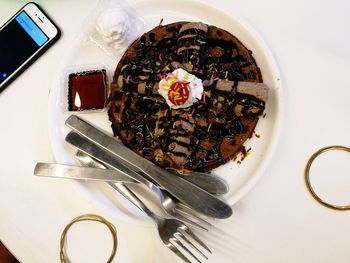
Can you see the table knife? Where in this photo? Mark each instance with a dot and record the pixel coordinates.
(108, 151)
(210, 183)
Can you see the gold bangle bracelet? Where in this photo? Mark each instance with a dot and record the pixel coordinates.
(88, 217)
(307, 176)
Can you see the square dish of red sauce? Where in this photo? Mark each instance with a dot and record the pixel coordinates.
(87, 90)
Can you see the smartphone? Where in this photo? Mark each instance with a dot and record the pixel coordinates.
(23, 38)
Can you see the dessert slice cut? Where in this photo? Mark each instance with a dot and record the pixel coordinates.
(248, 106)
(190, 46)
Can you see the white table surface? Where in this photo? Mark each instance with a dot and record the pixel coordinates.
(277, 221)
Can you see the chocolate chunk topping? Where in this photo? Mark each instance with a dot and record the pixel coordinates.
(210, 132)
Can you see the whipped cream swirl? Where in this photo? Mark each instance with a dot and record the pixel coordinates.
(181, 89)
(113, 25)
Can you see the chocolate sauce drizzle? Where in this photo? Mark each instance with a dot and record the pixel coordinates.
(190, 138)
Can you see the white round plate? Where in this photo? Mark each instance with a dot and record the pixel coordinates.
(82, 54)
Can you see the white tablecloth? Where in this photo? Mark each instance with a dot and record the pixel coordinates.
(277, 221)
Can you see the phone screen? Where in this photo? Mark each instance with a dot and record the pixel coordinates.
(19, 40)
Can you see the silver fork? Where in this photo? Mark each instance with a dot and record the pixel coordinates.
(170, 206)
(171, 231)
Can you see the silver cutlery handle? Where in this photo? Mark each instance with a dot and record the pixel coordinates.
(188, 193)
(128, 194)
(80, 173)
(107, 158)
(91, 149)
(211, 184)
(120, 187)
(216, 184)
(86, 160)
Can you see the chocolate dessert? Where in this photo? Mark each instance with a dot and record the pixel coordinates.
(206, 134)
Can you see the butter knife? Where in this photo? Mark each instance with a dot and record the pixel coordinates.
(108, 151)
(211, 183)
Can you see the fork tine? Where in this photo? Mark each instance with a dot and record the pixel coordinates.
(188, 231)
(185, 210)
(183, 236)
(178, 252)
(178, 242)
